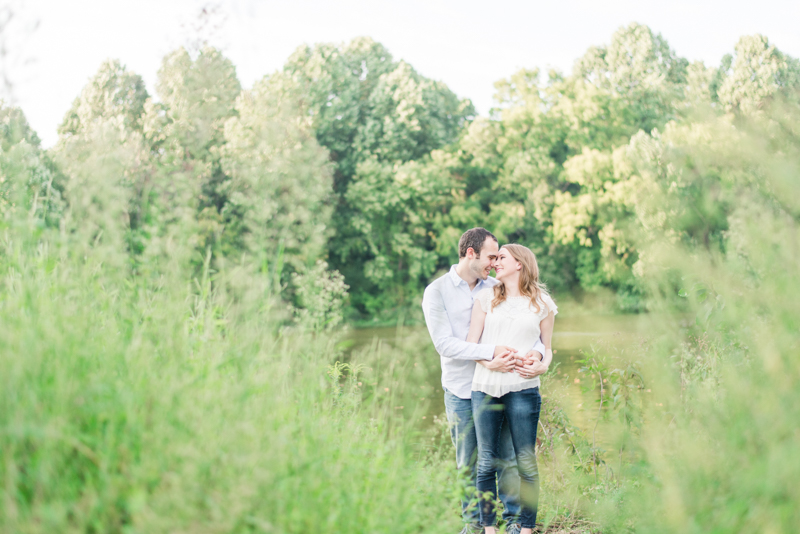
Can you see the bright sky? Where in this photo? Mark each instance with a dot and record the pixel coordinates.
(55, 46)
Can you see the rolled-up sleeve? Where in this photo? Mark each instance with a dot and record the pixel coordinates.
(447, 345)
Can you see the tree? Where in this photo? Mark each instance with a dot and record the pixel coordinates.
(409, 116)
(112, 92)
(14, 128)
(755, 73)
(102, 153)
(334, 83)
(199, 95)
(186, 136)
(30, 186)
(397, 216)
(373, 115)
(550, 169)
(278, 183)
(614, 91)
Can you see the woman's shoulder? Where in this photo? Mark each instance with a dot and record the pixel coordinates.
(485, 297)
(548, 302)
(485, 292)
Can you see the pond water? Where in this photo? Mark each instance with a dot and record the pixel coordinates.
(573, 335)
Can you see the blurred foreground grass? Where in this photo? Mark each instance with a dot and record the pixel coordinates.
(717, 450)
(130, 404)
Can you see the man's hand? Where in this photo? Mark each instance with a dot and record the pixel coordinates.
(502, 349)
(530, 357)
(532, 370)
(504, 360)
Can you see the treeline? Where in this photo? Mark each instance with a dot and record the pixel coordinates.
(348, 160)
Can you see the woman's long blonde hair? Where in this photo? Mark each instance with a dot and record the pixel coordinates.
(529, 284)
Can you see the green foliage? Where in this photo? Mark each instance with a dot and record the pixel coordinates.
(151, 401)
(347, 156)
(321, 295)
(633, 84)
(221, 169)
(374, 115)
(106, 183)
(112, 92)
(278, 182)
(14, 128)
(198, 96)
(724, 464)
(335, 82)
(30, 185)
(133, 412)
(396, 213)
(186, 134)
(409, 116)
(706, 447)
(102, 154)
(757, 72)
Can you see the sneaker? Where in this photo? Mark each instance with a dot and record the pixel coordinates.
(514, 528)
(472, 528)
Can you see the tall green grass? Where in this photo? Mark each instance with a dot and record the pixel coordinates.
(723, 447)
(167, 403)
(708, 442)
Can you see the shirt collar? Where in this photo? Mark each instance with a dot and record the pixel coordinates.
(457, 280)
(454, 276)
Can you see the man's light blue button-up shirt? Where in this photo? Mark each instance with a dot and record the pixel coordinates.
(447, 305)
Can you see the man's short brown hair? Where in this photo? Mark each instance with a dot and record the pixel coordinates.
(474, 239)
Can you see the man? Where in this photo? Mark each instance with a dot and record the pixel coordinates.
(447, 305)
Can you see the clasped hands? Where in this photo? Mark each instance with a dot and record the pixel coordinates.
(508, 360)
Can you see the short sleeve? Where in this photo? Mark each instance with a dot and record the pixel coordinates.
(485, 297)
(550, 304)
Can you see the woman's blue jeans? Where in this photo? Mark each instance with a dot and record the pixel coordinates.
(520, 410)
(462, 431)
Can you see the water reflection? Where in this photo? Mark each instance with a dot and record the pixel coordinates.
(573, 337)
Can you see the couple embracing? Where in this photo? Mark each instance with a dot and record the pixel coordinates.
(493, 336)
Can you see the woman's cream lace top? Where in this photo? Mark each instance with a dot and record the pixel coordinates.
(514, 323)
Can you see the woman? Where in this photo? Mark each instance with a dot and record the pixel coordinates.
(513, 313)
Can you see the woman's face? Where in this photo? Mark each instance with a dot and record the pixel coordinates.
(505, 266)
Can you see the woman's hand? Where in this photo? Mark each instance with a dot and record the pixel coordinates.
(530, 357)
(532, 369)
(504, 361)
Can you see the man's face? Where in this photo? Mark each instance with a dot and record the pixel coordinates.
(483, 265)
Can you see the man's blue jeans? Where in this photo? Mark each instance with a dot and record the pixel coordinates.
(462, 432)
(519, 411)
